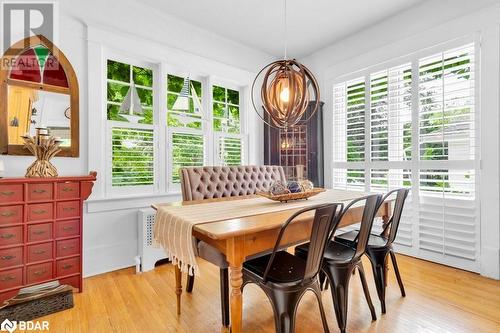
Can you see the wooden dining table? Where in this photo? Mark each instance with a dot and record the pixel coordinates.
(240, 238)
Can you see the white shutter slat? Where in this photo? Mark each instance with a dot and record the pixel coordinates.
(187, 151)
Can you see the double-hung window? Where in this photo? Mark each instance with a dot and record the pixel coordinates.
(414, 125)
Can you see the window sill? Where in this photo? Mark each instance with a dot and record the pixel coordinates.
(130, 201)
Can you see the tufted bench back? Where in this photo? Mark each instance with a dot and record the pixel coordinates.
(209, 182)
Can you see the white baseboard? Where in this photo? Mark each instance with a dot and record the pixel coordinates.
(103, 259)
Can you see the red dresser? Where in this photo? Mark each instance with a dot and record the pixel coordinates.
(41, 231)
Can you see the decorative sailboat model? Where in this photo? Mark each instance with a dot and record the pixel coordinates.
(182, 104)
(131, 108)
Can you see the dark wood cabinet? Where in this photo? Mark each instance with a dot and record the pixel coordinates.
(299, 150)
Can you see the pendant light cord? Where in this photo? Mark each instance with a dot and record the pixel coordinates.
(285, 21)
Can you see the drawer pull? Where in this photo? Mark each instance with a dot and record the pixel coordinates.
(67, 266)
(7, 192)
(67, 228)
(67, 209)
(39, 211)
(39, 191)
(67, 189)
(7, 236)
(68, 247)
(7, 278)
(38, 273)
(39, 251)
(8, 257)
(39, 232)
(8, 214)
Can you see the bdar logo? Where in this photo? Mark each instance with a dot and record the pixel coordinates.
(8, 325)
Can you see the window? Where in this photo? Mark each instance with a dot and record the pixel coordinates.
(414, 125)
(187, 150)
(130, 118)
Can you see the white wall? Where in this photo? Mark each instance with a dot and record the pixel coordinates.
(424, 26)
(110, 229)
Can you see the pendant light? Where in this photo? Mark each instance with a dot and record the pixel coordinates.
(287, 88)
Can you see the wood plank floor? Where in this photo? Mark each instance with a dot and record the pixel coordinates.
(439, 299)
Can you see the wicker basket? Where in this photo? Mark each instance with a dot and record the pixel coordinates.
(292, 196)
(31, 306)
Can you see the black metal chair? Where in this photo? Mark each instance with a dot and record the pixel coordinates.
(379, 246)
(341, 260)
(285, 278)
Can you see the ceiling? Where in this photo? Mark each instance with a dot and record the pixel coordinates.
(259, 24)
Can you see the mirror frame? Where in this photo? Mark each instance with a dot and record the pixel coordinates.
(73, 91)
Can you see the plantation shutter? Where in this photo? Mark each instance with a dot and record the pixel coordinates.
(414, 125)
(188, 150)
(132, 156)
(230, 150)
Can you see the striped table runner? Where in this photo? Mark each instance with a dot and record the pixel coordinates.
(173, 227)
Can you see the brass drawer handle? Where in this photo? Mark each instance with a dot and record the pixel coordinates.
(8, 214)
(68, 247)
(39, 191)
(67, 266)
(67, 189)
(7, 236)
(7, 278)
(67, 209)
(67, 228)
(38, 273)
(7, 192)
(39, 232)
(39, 211)
(7, 257)
(39, 251)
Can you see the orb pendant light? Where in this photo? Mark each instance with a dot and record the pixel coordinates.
(287, 89)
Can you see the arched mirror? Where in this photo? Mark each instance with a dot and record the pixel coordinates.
(38, 88)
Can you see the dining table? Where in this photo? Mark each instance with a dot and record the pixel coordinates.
(243, 237)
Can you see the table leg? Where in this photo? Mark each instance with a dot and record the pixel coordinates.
(385, 219)
(178, 287)
(235, 256)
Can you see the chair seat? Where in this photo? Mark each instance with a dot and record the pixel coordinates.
(335, 252)
(348, 239)
(286, 267)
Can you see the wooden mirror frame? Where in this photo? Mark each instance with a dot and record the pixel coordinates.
(72, 90)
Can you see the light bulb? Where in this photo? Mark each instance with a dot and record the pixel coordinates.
(285, 95)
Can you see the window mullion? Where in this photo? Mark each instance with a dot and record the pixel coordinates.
(368, 157)
(210, 140)
(415, 147)
(160, 120)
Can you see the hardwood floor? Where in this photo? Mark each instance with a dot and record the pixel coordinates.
(439, 299)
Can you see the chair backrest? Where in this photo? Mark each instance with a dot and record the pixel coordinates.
(326, 219)
(393, 223)
(372, 204)
(207, 182)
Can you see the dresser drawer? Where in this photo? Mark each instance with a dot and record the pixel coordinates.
(11, 257)
(11, 235)
(68, 247)
(39, 252)
(68, 266)
(38, 212)
(11, 193)
(40, 192)
(39, 232)
(11, 278)
(39, 272)
(68, 190)
(11, 214)
(67, 228)
(67, 209)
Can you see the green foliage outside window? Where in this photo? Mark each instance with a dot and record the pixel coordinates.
(226, 110)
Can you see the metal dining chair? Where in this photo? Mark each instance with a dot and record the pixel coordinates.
(380, 245)
(285, 277)
(341, 260)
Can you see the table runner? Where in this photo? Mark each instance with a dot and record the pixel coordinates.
(173, 226)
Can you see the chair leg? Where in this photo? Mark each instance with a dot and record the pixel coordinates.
(284, 307)
(378, 265)
(323, 281)
(190, 283)
(178, 287)
(398, 276)
(317, 291)
(224, 296)
(339, 281)
(366, 290)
